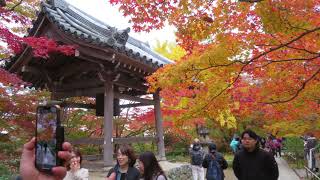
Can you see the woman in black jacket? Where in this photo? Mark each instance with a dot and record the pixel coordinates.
(124, 170)
(253, 163)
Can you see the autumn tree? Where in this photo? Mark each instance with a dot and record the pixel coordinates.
(243, 56)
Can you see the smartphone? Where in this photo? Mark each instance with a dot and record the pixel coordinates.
(49, 138)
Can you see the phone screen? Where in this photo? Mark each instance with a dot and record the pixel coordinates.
(46, 133)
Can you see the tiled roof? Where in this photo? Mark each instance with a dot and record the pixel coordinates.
(83, 26)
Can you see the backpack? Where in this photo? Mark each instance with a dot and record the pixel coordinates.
(214, 171)
(197, 158)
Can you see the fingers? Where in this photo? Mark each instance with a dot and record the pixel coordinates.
(64, 155)
(66, 146)
(59, 172)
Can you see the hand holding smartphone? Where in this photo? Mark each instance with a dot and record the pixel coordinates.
(49, 138)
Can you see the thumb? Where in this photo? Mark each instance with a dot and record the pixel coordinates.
(28, 155)
(28, 148)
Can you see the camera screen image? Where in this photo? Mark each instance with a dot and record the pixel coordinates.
(46, 138)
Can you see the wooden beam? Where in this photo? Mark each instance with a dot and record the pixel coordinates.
(91, 141)
(91, 92)
(159, 126)
(93, 157)
(99, 141)
(123, 81)
(134, 98)
(130, 82)
(108, 123)
(130, 140)
(78, 105)
(93, 106)
(133, 105)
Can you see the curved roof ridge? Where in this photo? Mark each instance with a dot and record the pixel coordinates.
(84, 24)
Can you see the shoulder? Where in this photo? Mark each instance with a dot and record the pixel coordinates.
(84, 170)
(133, 171)
(161, 177)
(265, 154)
(82, 173)
(68, 176)
(240, 153)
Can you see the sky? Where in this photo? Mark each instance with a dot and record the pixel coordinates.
(102, 10)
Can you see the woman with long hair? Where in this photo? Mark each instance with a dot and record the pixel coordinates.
(150, 168)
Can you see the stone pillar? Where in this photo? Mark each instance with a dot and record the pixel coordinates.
(159, 127)
(108, 124)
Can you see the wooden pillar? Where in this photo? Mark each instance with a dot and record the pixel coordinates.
(159, 127)
(108, 124)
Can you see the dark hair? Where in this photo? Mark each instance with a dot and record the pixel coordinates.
(128, 151)
(212, 148)
(151, 165)
(78, 154)
(251, 133)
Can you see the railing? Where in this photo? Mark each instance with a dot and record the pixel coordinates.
(312, 164)
(305, 165)
(311, 174)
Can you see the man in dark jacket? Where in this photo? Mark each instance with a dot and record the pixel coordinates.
(253, 163)
(214, 155)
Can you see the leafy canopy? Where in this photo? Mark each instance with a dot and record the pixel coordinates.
(243, 56)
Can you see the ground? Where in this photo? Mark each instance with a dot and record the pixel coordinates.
(285, 173)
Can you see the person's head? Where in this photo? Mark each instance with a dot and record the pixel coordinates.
(212, 148)
(249, 140)
(76, 157)
(126, 156)
(149, 166)
(76, 153)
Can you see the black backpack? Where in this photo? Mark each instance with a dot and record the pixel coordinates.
(214, 171)
(197, 158)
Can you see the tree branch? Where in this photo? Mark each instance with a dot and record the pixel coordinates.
(298, 91)
(16, 5)
(285, 44)
(287, 60)
(250, 1)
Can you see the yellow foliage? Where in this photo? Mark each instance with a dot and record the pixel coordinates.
(225, 118)
(170, 50)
